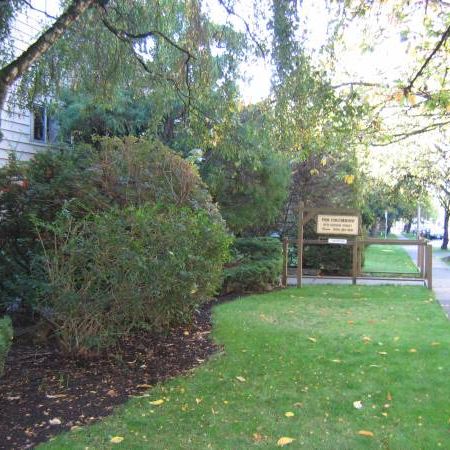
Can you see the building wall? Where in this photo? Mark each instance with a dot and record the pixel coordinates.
(16, 123)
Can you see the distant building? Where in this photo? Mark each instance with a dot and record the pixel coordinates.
(25, 131)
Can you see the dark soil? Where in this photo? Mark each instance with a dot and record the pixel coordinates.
(43, 393)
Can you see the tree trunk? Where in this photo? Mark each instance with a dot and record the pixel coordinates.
(444, 245)
(16, 68)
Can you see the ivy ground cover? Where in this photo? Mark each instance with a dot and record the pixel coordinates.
(318, 367)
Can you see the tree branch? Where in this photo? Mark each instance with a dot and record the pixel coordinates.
(46, 14)
(12, 71)
(128, 38)
(230, 11)
(441, 42)
(359, 83)
(402, 136)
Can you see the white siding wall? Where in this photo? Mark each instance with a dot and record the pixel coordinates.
(16, 124)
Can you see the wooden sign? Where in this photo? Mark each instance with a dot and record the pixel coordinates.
(334, 224)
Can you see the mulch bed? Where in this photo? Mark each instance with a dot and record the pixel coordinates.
(44, 393)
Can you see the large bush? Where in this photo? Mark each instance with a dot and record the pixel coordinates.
(139, 267)
(6, 335)
(110, 239)
(256, 265)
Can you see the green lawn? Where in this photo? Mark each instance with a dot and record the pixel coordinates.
(390, 259)
(309, 352)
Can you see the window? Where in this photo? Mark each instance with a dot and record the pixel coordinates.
(45, 127)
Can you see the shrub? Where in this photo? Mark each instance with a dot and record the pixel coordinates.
(256, 265)
(140, 267)
(110, 239)
(6, 334)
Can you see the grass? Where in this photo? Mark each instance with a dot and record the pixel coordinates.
(388, 259)
(310, 352)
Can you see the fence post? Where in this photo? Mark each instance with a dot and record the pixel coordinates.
(355, 260)
(285, 262)
(300, 247)
(429, 265)
(420, 257)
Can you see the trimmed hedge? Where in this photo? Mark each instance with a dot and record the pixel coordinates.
(6, 334)
(256, 265)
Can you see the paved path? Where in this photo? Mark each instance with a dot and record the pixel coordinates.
(441, 276)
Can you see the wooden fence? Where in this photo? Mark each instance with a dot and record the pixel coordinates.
(424, 260)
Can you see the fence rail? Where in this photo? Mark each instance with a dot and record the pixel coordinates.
(423, 263)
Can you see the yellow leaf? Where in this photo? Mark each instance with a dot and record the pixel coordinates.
(257, 437)
(284, 441)
(241, 379)
(382, 353)
(365, 433)
(157, 402)
(289, 414)
(198, 400)
(396, 338)
(448, 108)
(435, 344)
(412, 99)
(412, 350)
(366, 339)
(398, 96)
(116, 440)
(389, 396)
(312, 339)
(314, 172)
(186, 333)
(349, 179)
(323, 161)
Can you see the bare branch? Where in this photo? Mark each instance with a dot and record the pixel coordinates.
(359, 83)
(230, 11)
(46, 14)
(441, 42)
(123, 33)
(402, 136)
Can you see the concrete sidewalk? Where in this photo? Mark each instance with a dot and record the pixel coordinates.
(441, 276)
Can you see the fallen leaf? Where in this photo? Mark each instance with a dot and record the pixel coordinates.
(358, 404)
(382, 353)
(198, 400)
(366, 339)
(389, 396)
(111, 393)
(116, 440)
(157, 402)
(241, 379)
(144, 386)
(55, 421)
(350, 322)
(56, 395)
(412, 350)
(289, 414)
(396, 338)
(284, 441)
(312, 339)
(434, 344)
(186, 333)
(365, 433)
(385, 414)
(257, 437)
(336, 360)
